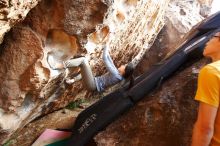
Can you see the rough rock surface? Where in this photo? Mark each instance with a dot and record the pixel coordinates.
(82, 24)
(17, 71)
(165, 117)
(11, 12)
(21, 75)
(35, 89)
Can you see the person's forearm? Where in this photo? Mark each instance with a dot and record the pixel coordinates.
(201, 136)
(109, 63)
(105, 54)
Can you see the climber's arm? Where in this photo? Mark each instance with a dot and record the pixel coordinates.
(108, 62)
(204, 126)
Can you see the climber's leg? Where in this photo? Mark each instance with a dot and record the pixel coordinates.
(74, 62)
(87, 75)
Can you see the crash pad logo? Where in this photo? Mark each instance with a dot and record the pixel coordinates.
(87, 122)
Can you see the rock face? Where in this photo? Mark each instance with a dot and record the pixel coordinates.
(83, 23)
(11, 12)
(165, 117)
(29, 87)
(35, 88)
(19, 68)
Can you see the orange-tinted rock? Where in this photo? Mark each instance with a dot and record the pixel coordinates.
(48, 14)
(81, 17)
(20, 51)
(12, 12)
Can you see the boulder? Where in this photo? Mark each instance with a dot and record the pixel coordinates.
(31, 88)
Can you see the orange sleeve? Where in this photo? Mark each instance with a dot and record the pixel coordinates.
(208, 86)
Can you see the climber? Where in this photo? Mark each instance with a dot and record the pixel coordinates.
(206, 130)
(99, 83)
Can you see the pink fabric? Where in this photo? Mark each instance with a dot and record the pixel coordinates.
(49, 136)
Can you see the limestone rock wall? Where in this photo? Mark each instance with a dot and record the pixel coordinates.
(166, 116)
(30, 87)
(180, 17)
(11, 12)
